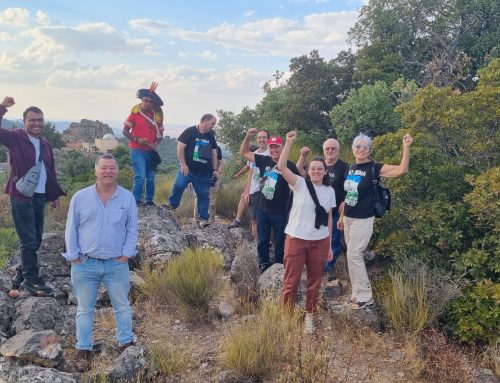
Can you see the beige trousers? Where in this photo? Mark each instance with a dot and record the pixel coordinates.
(357, 233)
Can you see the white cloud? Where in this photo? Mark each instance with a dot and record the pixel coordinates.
(249, 13)
(153, 27)
(15, 17)
(42, 18)
(4, 36)
(184, 55)
(208, 55)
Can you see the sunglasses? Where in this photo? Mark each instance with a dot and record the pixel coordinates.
(359, 146)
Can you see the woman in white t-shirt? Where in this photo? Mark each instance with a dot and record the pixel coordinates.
(308, 240)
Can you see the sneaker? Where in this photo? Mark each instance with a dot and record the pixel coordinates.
(139, 203)
(123, 347)
(83, 360)
(37, 287)
(234, 224)
(309, 323)
(167, 206)
(361, 305)
(204, 223)
(150, 203)
(330, 275)
(18, 279)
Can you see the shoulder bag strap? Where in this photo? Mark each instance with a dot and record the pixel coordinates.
(376, 183)
(310, 186)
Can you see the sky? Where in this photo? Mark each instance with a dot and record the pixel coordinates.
(87, 59)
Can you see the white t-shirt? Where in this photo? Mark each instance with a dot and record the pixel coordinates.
(303, 213)
(254, 185)
(40, 188)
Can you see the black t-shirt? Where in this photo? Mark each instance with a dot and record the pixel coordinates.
(336, 178)
(359, 189)
(274, 195)
(198, 150)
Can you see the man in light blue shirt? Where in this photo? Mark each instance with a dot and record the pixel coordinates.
(101, 236)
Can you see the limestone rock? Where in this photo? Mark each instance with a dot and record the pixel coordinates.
(7, 311)
(5, 282)
(483, 375)
(38, 347)
(37, 313)
(86, 131)
(160, 237)
(225, 310)
(35, 374)
(271, 280)
(128, 365)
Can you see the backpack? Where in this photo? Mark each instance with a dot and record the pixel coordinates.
(26, 185)
(381, 196)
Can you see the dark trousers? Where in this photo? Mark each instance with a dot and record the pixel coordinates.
(28, 221)
(265, 223)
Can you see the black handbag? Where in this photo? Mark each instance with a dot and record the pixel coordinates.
(154, 160)
(381, 196)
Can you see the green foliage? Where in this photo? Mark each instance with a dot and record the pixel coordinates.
(52, 135)
(8, 245)
(370, 109)
(475, 317)
(122, 155)
(233, 127)
(75, 169)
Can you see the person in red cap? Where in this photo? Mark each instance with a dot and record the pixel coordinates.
(144, 128)
(272, 207)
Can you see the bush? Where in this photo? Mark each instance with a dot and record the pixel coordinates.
(475, 317)
(229, 197)
(258, 347)
(193, 277)
(168, 360)
(416, 296)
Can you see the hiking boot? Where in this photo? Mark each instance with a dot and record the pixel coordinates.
(37, 287)
(150, 203)
(17, 280)
(330, 275)
(83, 360)
(309, 327)
(234, 224)
(139, 203)
(123, 347)
(204, 223)
(361, 305)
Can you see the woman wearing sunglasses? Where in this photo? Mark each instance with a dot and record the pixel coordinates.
(358, 212)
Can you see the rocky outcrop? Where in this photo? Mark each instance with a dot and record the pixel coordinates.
(37, 313)
(128, 366)
(86, 131)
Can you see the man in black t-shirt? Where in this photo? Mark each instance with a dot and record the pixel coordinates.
(272, 207)
(197, 153)
(336, 171)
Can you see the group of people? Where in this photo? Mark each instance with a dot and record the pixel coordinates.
(310, 209)
(330, 198)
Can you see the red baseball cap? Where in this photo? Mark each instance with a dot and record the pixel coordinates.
(275, 140)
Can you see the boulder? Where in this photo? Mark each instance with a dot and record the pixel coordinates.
(160, 237)
(245, 270)
(37, 313)
(225, 310)
(128, 365)
(38, 347)
(271, 280)
(7, 311)
(5, 282)
(35, 374)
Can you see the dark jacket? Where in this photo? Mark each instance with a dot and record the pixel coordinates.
(22, 159)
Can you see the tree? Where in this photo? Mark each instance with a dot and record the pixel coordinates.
(233, 127)
(52, 135)
(370, 109)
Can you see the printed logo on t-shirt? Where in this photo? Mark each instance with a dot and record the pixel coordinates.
(202, 151)
(271, 177)
(351, 186)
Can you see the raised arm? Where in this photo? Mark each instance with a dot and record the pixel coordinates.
(403, 167)
(304, 152)
(245, 145)
(282, 162)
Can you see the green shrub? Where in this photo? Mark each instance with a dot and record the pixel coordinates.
(475, 317)
(258, 347)
(416, 295)
(8, 245)
(193, 277)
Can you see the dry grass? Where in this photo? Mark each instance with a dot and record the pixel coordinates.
(184, 213)
(258, 347)
(491, 358)
(167, 359)
(229, 198)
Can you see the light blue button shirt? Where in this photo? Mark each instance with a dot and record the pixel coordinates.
(98, 230)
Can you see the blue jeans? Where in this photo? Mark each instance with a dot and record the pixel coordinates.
(266, 222)
(86, 278)
(142, 174)
(28, 220)
(201, 186)
(336, 245)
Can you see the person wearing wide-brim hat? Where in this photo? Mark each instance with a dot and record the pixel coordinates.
(144, 128)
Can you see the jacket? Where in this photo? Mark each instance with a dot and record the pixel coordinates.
(22, 158)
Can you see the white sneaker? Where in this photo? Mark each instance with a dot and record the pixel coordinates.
(309, 324)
